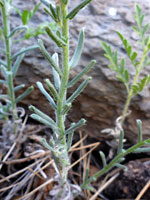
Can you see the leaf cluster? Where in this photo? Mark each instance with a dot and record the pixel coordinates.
(120, 157)
(122, 72)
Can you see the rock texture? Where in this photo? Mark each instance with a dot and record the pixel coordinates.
(103, 99)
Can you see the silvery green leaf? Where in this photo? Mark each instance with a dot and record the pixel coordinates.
(84, 71)
(54, 37)
(48, 57)
(45, 2)
(45, 93)
(78, 51)
(44, 116)
(75, 11)
(41, 120)
(4, 71)
(78, 90)
(3, 63)
(66, 108)
(17, 64)
(19, 87)
(16, 29)
(75, 126)
(3, 82)
(142, 150)
(56, 76)
(24, 50)
(69, 141)
(44, 142)
(26, 93)
(121, 166)
(139, 123)
(52, 89)
(103, 158)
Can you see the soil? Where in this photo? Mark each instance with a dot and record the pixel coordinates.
(19, 174)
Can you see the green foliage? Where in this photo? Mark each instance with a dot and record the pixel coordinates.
(11, 64)
(61, 140)
(75, 11)
(133, 86)
(119, 158)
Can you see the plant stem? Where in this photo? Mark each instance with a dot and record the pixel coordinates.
(115, 160)
(130, 94)
(60, 118)
(6, 28)
(65, 65)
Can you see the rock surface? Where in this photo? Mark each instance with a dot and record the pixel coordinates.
(103, 99)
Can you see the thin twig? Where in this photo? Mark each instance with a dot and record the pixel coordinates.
(84, 155)
(36, 189)
(104, 186)
(143, 191)
(32, 157)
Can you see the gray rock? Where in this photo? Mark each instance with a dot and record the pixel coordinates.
(103, 99)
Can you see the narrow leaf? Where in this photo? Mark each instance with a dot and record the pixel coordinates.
(45, 2)
(66, 108)
(52, 89)
(103, 158)
(44, 142)
(40, 119)
(84, 71)
(36, 8)
(3, 82)
(19, 87)
(4, 71)
(142, 150)
(78, 51)
(48, 57)
(17, 64)
(24, 50)
(56, 76)
(25, 17)
(44, 116)
(19, 28)
(3, 63)
(139, 124)
(121, 166)
(75, 11)
(75, 126)
(69, 141)
(79, 90)
(54, 37)
(45, 93)
(26, 93)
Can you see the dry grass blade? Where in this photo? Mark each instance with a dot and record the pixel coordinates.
(95, 145)
(104, 186)
(79, 142)
(13, 185)
(8, 154)
(143, 191)
(32, 157)
(19, 172)
(35, 190)
(85, 147)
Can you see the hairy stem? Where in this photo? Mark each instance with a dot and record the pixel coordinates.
(60, 118)
(6, 28)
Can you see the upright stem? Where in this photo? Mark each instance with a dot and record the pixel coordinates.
(65, 77)
(60, 118)
(6, 28)
(130, 94)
